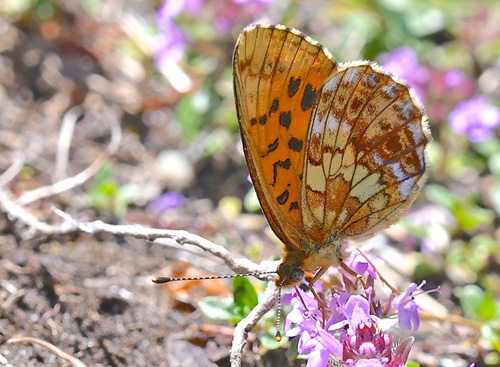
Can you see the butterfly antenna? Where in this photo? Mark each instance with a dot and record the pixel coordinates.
(278, 316)
(163, 280)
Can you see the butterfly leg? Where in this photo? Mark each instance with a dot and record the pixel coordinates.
(317, 276)
(353, 273)
(376, 271)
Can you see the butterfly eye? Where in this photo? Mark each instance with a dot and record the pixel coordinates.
(296, 275)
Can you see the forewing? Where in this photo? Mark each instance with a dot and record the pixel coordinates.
(278, 74)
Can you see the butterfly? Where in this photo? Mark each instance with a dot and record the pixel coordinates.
(335, 150)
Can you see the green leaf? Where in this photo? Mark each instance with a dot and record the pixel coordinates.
(190, 113)
(493, 358)
(487, 309)
(471, 298)
(105, 173)
(491, 335)
(494, 164)
(245, 296)
(494, 195)
(216, 308)
(468, 213)
(441, 196)
(470, 217)
(424, 269)
(106, 194)
(489, 148)
(251, 202)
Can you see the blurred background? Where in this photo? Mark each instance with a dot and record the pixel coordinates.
(163, 69)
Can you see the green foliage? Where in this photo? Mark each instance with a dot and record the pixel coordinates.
(483, 307)
(467, 212)
(216, 308)
(233, 310)
(190, 113)
(45, 9)
(106, 194)
(473, 255)
(245, 296)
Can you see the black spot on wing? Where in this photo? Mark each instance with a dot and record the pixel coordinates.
(273, 146)
(308, 98)
(253, 121)
(279, 164)
(293, 86)
(295, 144)
(263, 119)
(285, 119)
(274, 106)
(294, 205)
(283, 198)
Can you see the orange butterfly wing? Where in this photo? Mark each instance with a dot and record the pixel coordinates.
(277, 74)
(335, 151)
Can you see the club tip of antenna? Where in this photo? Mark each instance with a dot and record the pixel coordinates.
(278, 336)
(161, 280)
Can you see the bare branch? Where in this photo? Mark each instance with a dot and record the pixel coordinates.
(17, 212)
(237, 263)
(58, 352)
(64, 142)
(13, 170)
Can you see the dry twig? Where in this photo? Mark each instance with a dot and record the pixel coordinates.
(64, 142)
(27, 339)
(12, 171)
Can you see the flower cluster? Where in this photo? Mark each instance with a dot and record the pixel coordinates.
(475, 118)
(347, 330)
(172, 40)
(473, 115)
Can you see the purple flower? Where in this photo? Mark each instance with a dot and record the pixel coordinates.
(166, 201)
(306, 323)
(350, 336)
(366, 346)
(357, 311)
(170, 45)
(403, 63)
(475, 118)
(357, 262)
(172, 8)
(172, 41)
(246, 1)
(407, 307)
(454, 79)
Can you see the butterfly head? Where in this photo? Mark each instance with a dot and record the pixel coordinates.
(291, 270)
(289, 275)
